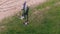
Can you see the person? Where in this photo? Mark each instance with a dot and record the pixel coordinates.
(25, 13)
(24, 9)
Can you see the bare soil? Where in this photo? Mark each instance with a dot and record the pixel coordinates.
(11, 7)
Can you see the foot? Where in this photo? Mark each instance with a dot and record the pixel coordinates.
(26, 23)
(22, 17)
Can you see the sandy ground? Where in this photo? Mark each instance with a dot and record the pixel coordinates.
(10, 7)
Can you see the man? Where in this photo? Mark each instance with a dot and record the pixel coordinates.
(25, 13)
(24, 9)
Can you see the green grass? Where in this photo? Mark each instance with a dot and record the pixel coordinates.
(48, 23)
(53, 20)
(49, 3)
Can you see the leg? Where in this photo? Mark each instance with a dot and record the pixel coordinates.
(27, 17)
(23, 14)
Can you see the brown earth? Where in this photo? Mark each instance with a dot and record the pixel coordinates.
(10, 7)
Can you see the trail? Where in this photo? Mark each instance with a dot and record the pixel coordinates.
(10, 7)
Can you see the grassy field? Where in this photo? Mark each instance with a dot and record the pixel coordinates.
(41, 22)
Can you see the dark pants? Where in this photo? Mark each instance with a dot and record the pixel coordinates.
(25, 13)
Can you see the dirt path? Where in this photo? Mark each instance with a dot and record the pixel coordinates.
(10, 7)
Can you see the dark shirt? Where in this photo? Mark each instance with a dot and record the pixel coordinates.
(25, 8)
